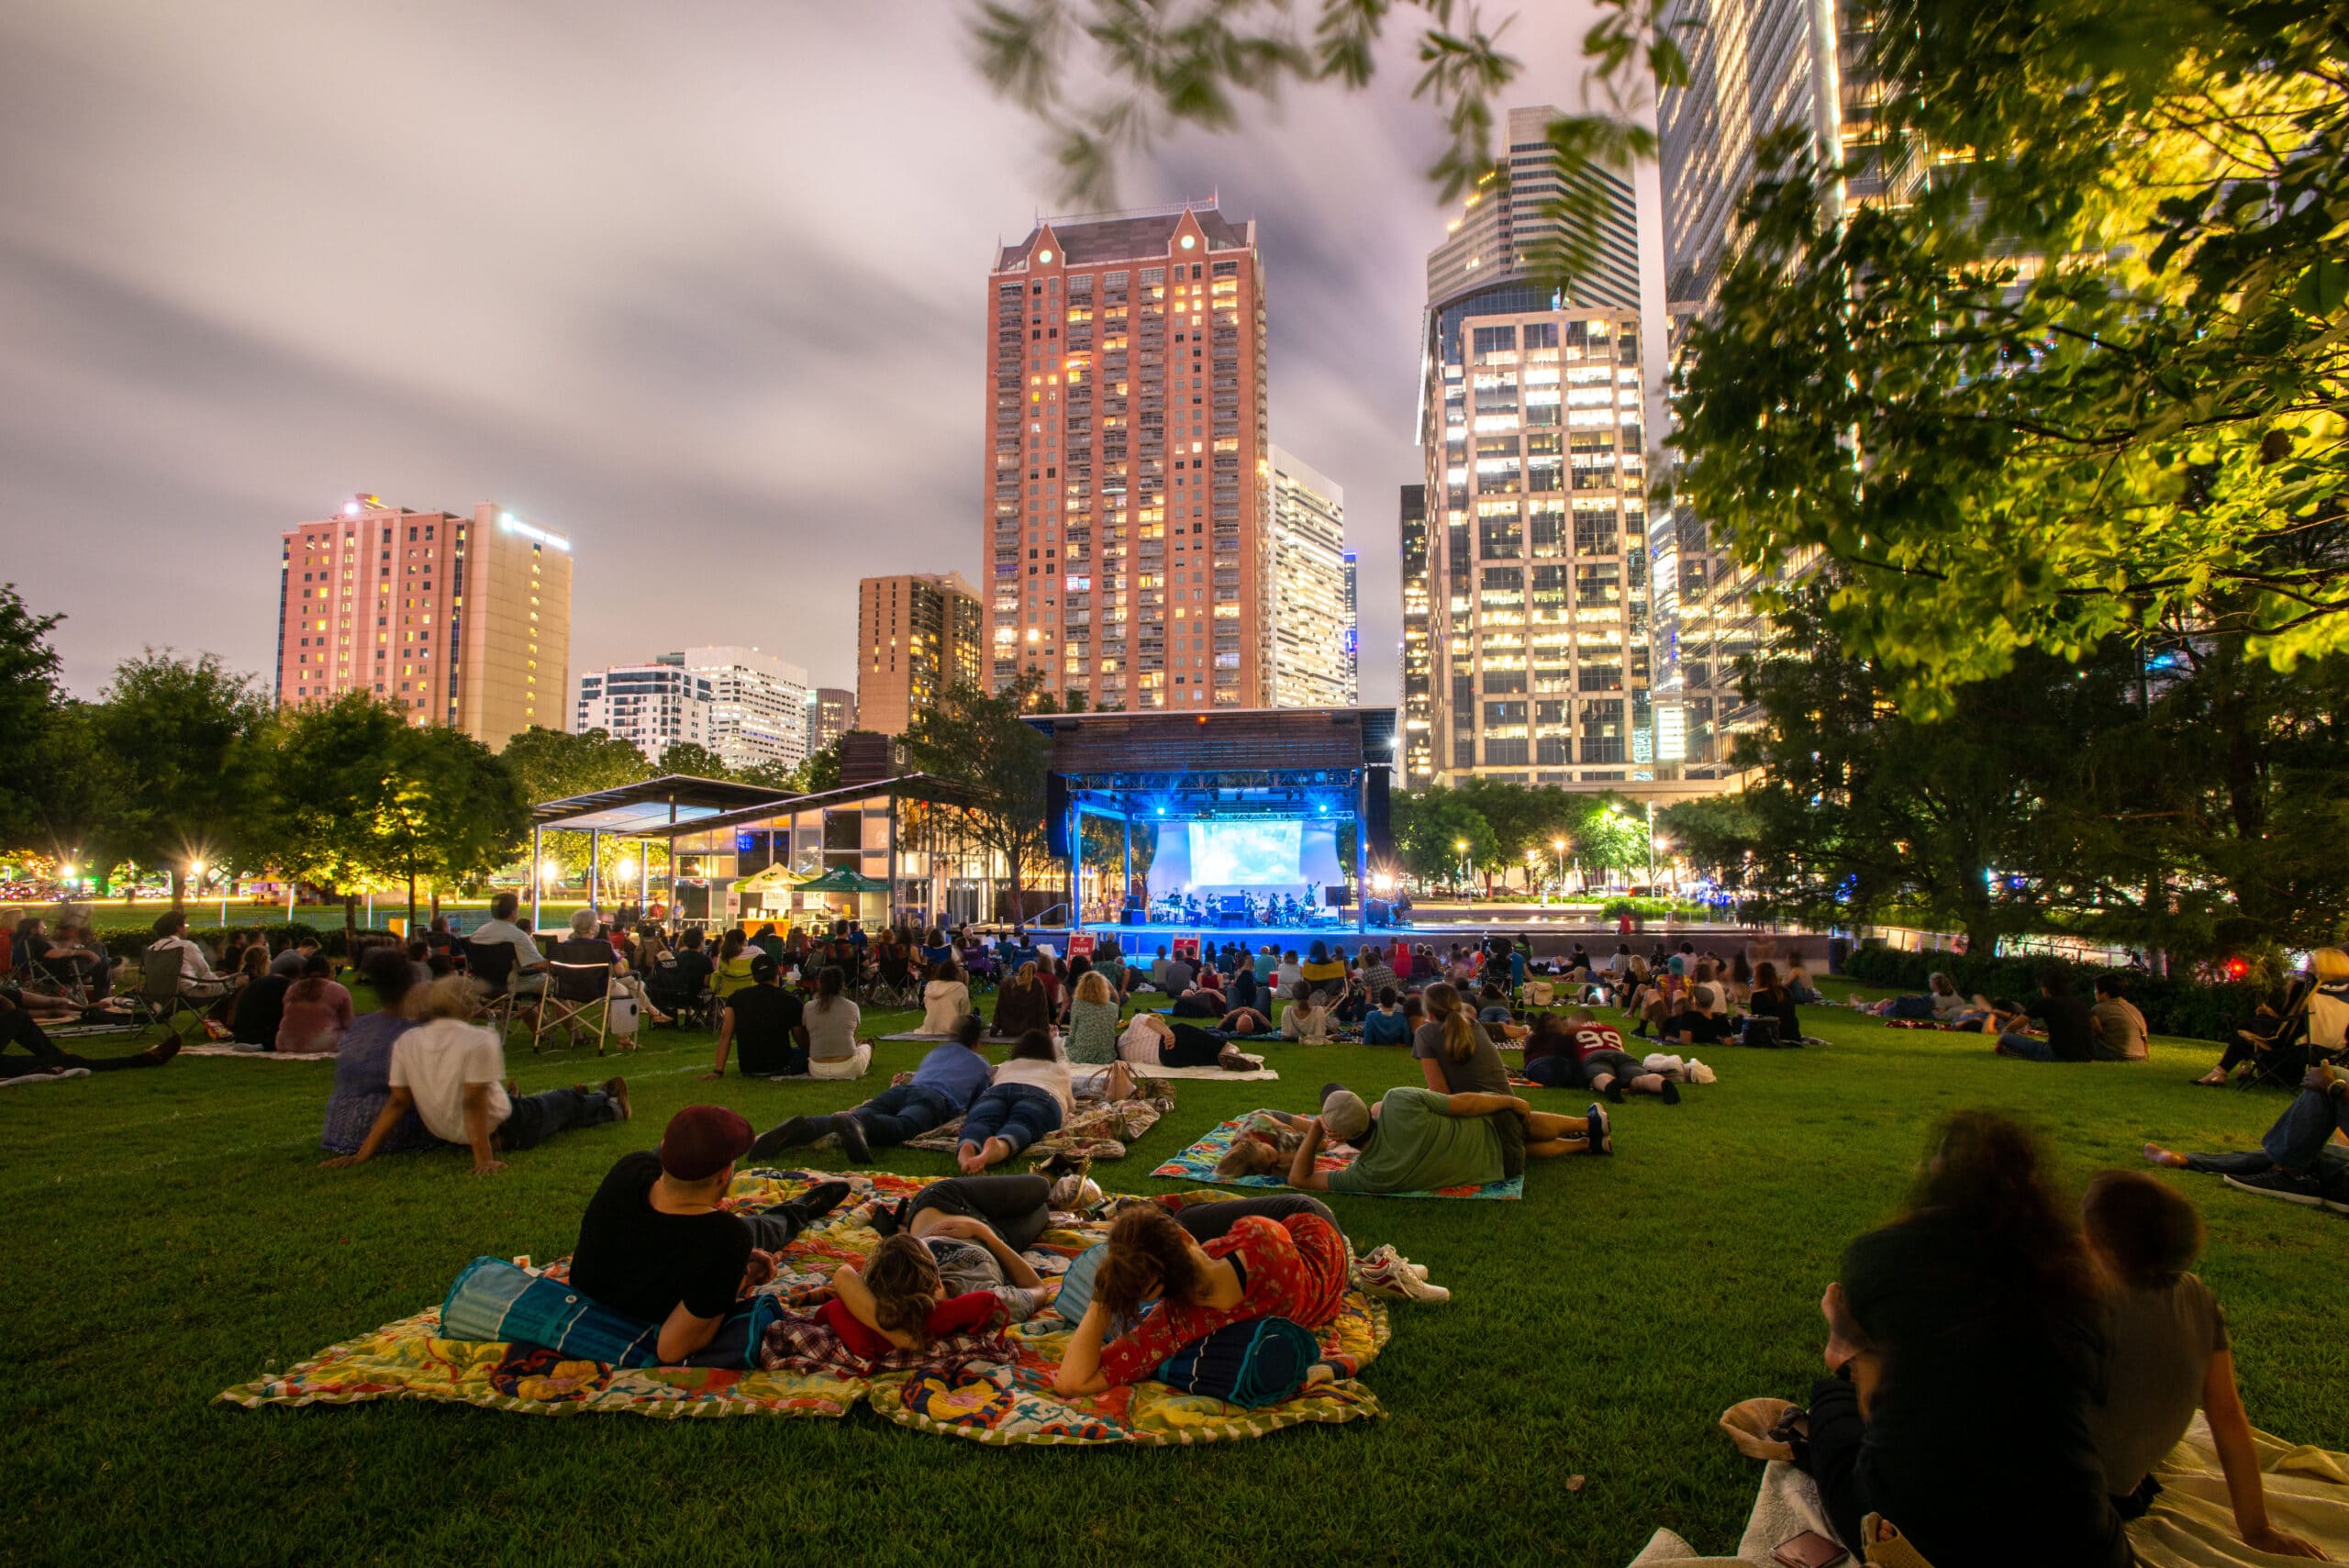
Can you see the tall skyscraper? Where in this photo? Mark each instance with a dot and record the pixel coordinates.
(1128, 546)
(652, 707)
(1418, 703)
(916, 636)
(1755, 67)
(1535, 583)
(462, 622)
(1313, 621)
(831, 713)
(1353, 630)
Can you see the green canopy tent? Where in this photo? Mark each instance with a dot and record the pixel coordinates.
(844, 879)
(860, 898)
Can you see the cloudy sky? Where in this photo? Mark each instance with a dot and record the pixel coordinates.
(700, 284)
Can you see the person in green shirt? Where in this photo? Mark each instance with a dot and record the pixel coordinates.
(1413, 1140)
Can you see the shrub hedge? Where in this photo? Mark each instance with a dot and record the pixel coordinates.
(2189, 1009)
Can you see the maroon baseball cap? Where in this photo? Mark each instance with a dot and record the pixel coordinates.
(702, 1141)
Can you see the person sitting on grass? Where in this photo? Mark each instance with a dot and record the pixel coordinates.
(1416, 1139)
(1093, 1021)
(2298, 1159)
(655, 1246)
(1799, 982)
(452, 1072)
(1961, 1345)
(949, 1078)
(1149, 1040)
(2166, 1355)
(1307, 1019)
(1030, 1097)
(317, 1010)
(293, 955)
(1020, 1004)
(829, 1027)
(363, 1067)
(766, 1022)
(21, 1031)
(1706, 1021)
(945, 998)
(2064, 1017)
(1769, 999)
(1296, 1268)
(1606, 1067)
(1457, 1056)
(1493, 1011)
(259, 1006)
(1386, 1023)
(2119, 1028)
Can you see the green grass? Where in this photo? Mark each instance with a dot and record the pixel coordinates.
(168, 1234)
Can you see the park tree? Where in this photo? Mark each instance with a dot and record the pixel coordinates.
(191, 741)
(1432, 826)
(367, 801)
(979, 741)
(29, 700)
(549, 764)
(692, 760)
(1716, 834)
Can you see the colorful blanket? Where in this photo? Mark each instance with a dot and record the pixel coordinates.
(1198, 1161)
(1098, 1131)
(247, 1053)
(973, 1390)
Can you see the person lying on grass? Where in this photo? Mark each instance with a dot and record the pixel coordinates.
(452, 1071)
(1494, 1014)
(1295, 1268)
(1149, 1040)
(21, 1031)
(2298, 1153)
(949, 1078)
(2166, 1355)
(1030, 1097)
(1418, 1141)
(1606, 1067)
(655, 1245)
(1457, 1057)
(971, 1232)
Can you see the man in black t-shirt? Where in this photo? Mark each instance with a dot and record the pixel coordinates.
(655, 1245)
(2070, 1035)
(764, 1020)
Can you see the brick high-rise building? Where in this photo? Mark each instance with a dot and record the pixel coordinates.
(462, 622)
(1128, 554)
(916, 636)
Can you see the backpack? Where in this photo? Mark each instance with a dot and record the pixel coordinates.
(1250, 1364)
(1760, 1031)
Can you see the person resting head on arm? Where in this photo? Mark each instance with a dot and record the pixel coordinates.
(898, 1302)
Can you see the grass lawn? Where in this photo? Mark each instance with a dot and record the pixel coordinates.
(167, 1234)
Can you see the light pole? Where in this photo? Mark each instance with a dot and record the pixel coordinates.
(1558, 857)
(1532, 860)
(1461, 847)
(1650, 847)
(195, 875)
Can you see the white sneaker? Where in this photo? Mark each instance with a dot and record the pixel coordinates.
(1385, 1255)
(1392, 1277)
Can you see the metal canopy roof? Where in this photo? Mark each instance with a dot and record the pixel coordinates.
(910, 786)
(651, 807)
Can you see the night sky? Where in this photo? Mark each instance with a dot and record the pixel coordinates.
(701, 285)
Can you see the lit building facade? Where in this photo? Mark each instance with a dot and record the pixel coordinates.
(652, 707)
(1528, 588)
(1418, 703)
(831, 713)
(916, 636)
(1313, 612)
(758, 706)
(1127, 555)
(459, 620)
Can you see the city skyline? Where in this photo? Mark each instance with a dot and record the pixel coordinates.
(638, 330)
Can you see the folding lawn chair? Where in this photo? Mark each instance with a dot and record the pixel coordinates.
(491, 965)
(578, 986)
(160, 1001)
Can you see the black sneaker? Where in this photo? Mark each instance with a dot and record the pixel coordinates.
(789, 1134)
(850, 1132)
(1671, 1093)
(815, 1201)
(2292, 1186)
(1614, 1091)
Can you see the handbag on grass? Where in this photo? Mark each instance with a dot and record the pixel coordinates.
(494, 1301)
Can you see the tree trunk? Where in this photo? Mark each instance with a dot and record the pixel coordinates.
(179, 888)
(350, 926)
(411, 903)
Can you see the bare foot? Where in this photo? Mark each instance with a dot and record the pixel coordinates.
(1844, 1339)
(2161, 1156)
(967, 1157)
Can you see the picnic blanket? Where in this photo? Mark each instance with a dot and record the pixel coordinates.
(2191, 1524)
(247, 1053)
(1198, 1163)
(1100, 1130)
(1006, 1399)
(44, 1077)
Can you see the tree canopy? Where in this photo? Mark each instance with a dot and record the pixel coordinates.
(976, 739)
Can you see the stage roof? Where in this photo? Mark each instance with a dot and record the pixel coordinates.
(1259, 738)
(646, 808)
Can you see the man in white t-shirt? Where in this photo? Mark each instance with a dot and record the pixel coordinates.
(196, 980)
(452, 1072)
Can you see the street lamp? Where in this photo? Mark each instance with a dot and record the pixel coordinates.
(1460, 846)
(1558, 853)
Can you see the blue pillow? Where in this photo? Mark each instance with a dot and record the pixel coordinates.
(493, 1300)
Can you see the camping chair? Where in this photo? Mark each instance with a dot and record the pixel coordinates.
(160, 1001)
(667, 990)
(491, 965)
(579, 985)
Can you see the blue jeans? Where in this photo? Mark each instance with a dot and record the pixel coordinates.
(1018, 1112)
(537, 1118)
(2037, 1049)
(900, 1113)
(2300, 1134)
(1556, 1072)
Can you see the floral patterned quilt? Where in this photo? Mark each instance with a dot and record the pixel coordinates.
(983, 1400)
(1198, 1161)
